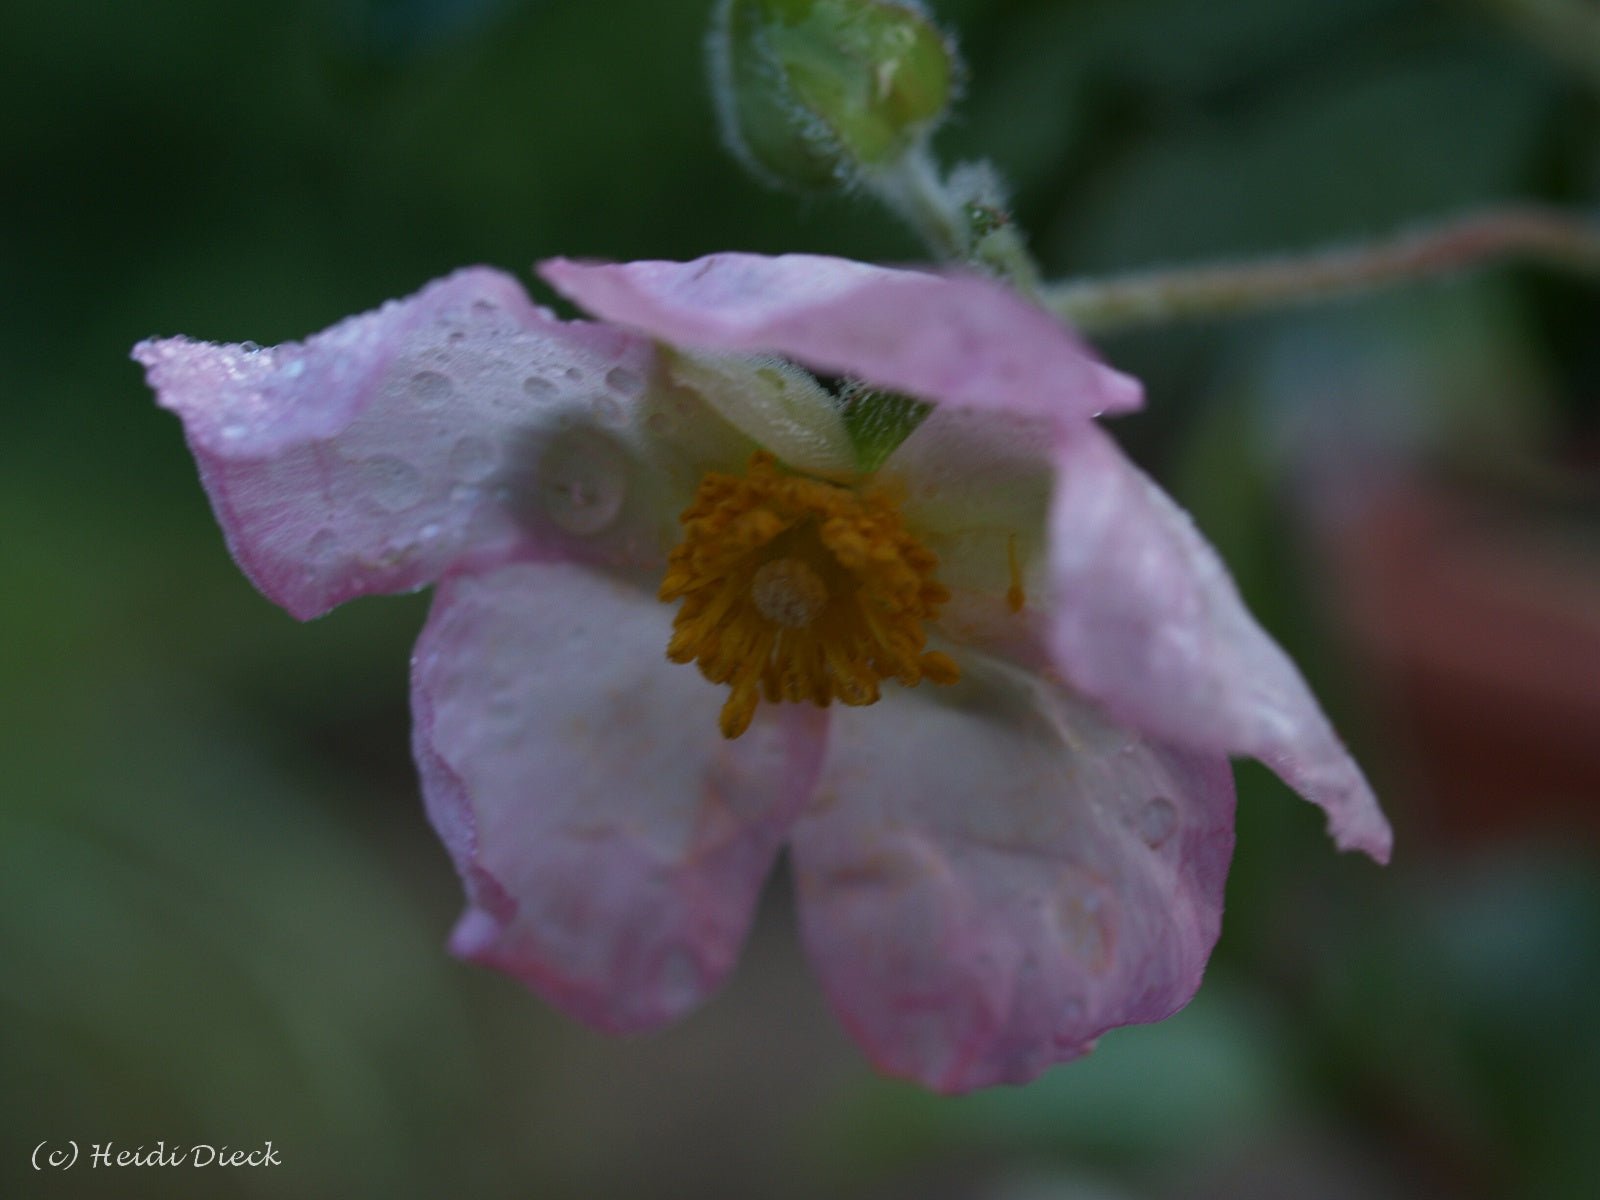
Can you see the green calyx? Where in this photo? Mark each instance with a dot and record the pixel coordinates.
(812, 92)
(877, 422)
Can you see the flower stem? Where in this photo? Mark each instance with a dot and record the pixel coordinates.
(1523, 232)
(913, 190)
(952, 230)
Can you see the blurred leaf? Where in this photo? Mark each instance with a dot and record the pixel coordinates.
(1470, 1003)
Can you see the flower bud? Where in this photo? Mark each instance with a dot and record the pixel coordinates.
(811, 92)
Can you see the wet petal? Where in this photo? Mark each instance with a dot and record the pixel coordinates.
(1148, 621)
(371, 456)
(991, 879)
(611, 842)
(957, 340)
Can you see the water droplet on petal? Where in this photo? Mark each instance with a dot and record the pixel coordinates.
(620, 379)
(537, 388)
(250, 347)
(1156, 821)
(583, 481)
(574, 374)
(392, 483)
(472, 460)
(1086, 921)
(430, 389)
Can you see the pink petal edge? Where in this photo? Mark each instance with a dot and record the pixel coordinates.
(611, 842)
(959, 340)
(993, 877)
(1149, 623)
(372, 456)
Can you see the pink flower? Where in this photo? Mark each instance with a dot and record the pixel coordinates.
(1010, 834)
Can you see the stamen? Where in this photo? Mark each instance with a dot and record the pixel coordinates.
(794, 589)
(1015, 596)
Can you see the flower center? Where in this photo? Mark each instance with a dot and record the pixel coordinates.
(788, 592)
(795, 589)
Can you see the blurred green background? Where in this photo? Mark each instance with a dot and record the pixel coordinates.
(223, 910)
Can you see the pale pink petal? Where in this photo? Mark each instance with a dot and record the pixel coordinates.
(1147, 620)
(992, 876)
(976, 490)
(611, 841)
(955, 339)
(371, 456)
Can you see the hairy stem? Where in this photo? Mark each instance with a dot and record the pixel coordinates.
(1524, 232)
(953, 231)
(913, 190)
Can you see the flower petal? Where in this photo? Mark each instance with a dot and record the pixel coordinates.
(1148, 621)
(371, 456)
(959, 340)
(780, 408)
(612, 844)
(977, 493)
(990, 880)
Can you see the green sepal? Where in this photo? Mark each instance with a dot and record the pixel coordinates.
(877, 422)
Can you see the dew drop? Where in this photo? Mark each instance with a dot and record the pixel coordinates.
(538, 388)
(1156, 821)
(620, 379)
(574, 374)
(584, 481)
(392, 483)
(232, 431)
(472, 460)
(1085, 918)
(295, 369)
(430, 389)
(250, 347)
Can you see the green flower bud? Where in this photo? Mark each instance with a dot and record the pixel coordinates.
(812, 92)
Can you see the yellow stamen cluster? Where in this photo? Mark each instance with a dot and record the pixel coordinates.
(797, 589)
